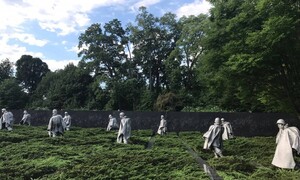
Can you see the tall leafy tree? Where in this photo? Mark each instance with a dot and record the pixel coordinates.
(106, 52)
(153, 40)
(250, 62)
(6, 69)
(11, 94)
(190, 47)
(276, 51)
(104, 49)
(182, 62)
(63, 89)
(30, 71)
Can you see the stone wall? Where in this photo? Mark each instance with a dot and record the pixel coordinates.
(244, 124)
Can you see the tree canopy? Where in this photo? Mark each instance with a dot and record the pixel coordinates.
(30, 71)
(242, 56)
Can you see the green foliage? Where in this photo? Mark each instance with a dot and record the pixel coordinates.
(243, 56)
(252, 55)
(168, 102)
(11, 94)
(67, 88)
(203, 109)
(153, 40)
(245, 158)
(30, 71)
(92, 153)
(6, 69)
(104, 49)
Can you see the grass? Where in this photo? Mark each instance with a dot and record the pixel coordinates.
(92, 153)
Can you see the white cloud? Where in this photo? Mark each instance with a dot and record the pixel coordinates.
(145, 3)
(29, 39)
(60, 16)
(59, 64)
(14, 52)
(195, 8)
(73, 49)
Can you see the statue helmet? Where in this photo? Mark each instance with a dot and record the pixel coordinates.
(280, 121)
(25, 112)
(217, 121)
(54, 111)
(222, 119)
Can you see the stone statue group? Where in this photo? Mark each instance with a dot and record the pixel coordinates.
(219, 131)
(7, 119)
(124, 132)
(58, 124)
(287, 139)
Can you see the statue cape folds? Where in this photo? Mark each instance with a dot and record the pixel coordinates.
(287, 140)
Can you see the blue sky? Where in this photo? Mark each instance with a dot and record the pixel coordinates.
(49, 29)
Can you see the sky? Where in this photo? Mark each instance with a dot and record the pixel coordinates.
(49, 29)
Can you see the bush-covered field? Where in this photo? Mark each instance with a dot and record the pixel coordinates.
(92, 153)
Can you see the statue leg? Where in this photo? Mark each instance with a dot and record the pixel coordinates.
(119, 138)
(218, 152)
(125, 140)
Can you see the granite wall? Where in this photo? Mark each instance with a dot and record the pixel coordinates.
(244, 124)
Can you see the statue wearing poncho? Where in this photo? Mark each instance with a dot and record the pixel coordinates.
(162, 129)
(26, 118)
(55, 126)
(6, 120)
(124, 129)
(228, 133)
(287, 140)
(112, 124)
(213, 138)
(67, 121)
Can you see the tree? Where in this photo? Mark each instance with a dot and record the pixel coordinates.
(6, 69)
(107, 54)
(30, 72)
(251, 57)
(63, 89)
(153, 40)
(168, 102)
(104, 50)
(276, 52)
(181, 64)
(11, 94)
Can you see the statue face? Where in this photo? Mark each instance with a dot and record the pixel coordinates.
(280, 126)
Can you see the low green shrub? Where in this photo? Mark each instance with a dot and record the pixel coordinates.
(92, 153)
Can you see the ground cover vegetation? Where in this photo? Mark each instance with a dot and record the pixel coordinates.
(92, 153)
(243, 56)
